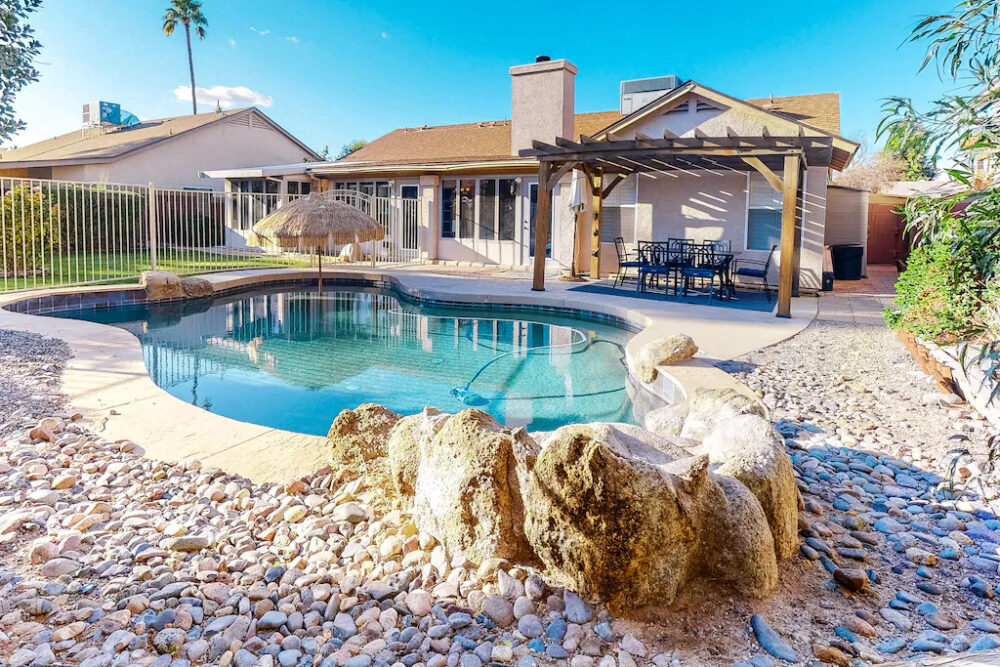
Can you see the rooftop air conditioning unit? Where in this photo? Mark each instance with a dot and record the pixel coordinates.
(99, 113)
(637, 93)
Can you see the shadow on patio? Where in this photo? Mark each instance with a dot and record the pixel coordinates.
(744, 300)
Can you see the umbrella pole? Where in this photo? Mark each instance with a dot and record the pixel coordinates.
(319, 258)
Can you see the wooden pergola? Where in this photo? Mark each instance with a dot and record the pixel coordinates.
(607, 162)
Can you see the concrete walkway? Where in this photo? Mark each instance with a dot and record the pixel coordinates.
(860, 301)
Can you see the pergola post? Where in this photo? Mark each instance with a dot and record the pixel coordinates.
(789, 200)
(597, 189)
(541, 225)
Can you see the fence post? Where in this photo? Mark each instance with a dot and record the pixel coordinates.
(151, 206)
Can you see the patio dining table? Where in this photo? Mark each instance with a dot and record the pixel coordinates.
(681, 261)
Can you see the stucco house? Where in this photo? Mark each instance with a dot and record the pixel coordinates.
(168, 152)
(477, 183)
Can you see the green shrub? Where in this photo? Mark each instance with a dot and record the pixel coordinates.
(99, 218)
(28, 232)
(938, 296)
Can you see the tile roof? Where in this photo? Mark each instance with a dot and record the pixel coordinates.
(94, 145)
(490, 140)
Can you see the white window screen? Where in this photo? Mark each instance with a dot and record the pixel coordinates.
(618, 211)
(764, 216)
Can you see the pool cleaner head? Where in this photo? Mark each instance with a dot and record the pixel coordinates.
(468, 396)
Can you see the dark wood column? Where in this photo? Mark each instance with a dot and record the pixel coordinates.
(789, 212)
(541, 225)
(597, 187)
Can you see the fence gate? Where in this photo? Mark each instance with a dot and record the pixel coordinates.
(399, 216)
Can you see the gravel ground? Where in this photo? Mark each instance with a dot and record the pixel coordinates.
(858, 382)
(109, 558)
(29, 375)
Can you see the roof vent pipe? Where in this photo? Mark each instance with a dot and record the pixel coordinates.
(542, 59)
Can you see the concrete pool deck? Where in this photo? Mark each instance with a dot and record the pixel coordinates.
(106, 378)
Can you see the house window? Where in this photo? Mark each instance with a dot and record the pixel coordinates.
(486, 209)
(763, 214)
(299, 188)
(508, 208)
(618, 211)
(448, 209)
(466, 208)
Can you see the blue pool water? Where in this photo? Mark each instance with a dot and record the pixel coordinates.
(293, 359)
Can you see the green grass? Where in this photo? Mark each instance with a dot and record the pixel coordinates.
(121, 268)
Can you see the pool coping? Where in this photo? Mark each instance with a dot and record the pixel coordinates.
(106, 378)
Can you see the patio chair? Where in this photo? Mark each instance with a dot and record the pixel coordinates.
(707, 265)
(750, 268)
(722, 245)
(625, 262)
(653, 263)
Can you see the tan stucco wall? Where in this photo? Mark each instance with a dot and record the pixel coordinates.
(176, 163)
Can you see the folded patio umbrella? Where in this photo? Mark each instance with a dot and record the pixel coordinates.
(317, 222)
(576, 205)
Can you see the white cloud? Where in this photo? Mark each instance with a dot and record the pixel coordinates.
(232, 42)
(293, 39)
(385, 35)
(226, 96)
(264, 31)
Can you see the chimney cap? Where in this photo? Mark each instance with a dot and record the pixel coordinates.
(542, 59)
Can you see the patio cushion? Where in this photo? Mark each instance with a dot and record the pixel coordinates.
(630, 263)
(756, 273)
(698, 272)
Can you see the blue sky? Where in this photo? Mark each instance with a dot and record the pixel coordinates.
(330, 72)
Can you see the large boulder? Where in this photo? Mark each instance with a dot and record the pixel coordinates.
(614, 518)
(661, 352)
(703, 410)
(195, 287)
(403, 447)
(468, 489)
(735, 544)
(748, 448)
(358, 439)
(161, 285)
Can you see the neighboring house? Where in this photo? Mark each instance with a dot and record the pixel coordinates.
(168, 152)
(478, 194)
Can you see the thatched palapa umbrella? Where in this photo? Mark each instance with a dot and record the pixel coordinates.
(315, 222)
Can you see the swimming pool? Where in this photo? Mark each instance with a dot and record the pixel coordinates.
(291, 358)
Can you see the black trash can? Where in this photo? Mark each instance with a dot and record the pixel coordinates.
(847, 259)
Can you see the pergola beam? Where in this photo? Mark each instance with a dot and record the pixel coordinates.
(772, 178)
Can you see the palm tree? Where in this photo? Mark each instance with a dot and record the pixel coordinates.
(187, 13)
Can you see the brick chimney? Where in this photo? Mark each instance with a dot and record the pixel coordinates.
(541, 102)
